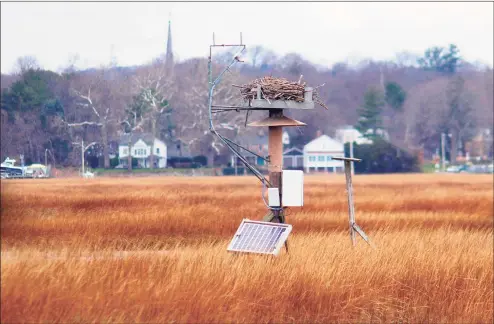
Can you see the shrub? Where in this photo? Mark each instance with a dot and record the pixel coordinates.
(201, 160)
(382, 157)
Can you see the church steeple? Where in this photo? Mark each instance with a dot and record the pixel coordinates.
(169, 50)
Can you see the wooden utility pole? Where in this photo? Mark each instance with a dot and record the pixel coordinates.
(275, 123)
(351, 156)
(275, 147)
(351, 207)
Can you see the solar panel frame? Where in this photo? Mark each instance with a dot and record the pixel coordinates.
(259, 237)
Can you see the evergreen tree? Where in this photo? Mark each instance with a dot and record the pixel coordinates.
(370, 112)
(395, 96)
(440, 60)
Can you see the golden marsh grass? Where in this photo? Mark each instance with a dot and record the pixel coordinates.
(154, 250)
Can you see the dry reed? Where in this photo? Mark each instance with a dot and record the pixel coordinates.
(154, 250)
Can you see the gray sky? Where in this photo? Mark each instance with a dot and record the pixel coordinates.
(324, 33)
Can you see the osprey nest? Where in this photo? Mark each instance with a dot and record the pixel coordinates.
(278, 89)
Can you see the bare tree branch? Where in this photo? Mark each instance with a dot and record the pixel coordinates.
(84, 123)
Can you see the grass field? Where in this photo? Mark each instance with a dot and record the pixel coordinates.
(154, 250)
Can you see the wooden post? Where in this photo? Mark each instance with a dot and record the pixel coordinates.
(351, 156)
(276, 158)
(354, 228)
(351, 209)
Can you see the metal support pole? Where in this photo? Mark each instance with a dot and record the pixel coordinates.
(22, 165)
(46, 157)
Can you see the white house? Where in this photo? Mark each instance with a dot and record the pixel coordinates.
(141, 150)
(319, 152)
(350, 134)
(285, 139)
(293, 158)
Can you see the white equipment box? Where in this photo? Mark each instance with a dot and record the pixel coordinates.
(273, 197)
(293, 188)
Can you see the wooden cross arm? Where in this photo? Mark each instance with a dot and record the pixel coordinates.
(346, 159)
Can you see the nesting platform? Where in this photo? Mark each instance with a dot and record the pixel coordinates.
(279, 104)
(260, 103)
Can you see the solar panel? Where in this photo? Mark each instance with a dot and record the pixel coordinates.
(259, 237)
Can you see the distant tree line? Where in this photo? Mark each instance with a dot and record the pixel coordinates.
(413, 101)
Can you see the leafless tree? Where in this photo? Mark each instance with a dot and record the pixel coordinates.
(98, 103)
(406, 59)
(155, 87)
(192, 115)
(421, 118)
(26, 63)
(459, 115)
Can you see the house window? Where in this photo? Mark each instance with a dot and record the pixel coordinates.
(329, 158)
(157, 150)
(320, 158)
(140, 152)
(312, 158)
(125, 151)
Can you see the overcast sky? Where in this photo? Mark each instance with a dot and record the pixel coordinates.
(324, 33)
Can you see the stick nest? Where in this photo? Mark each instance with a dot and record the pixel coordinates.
(278, 89)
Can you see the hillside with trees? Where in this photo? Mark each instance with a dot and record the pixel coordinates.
(414, 101)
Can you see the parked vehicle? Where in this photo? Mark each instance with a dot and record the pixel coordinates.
(457, 168)
(8, 169)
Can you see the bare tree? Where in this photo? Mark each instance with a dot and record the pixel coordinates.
(256, 55)
(421, 118)
(444, 105)
(406, 59)
(458, 117)
(192, 117)
(26, 63)
(137, 115)
(155, 87)
(97, 100)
